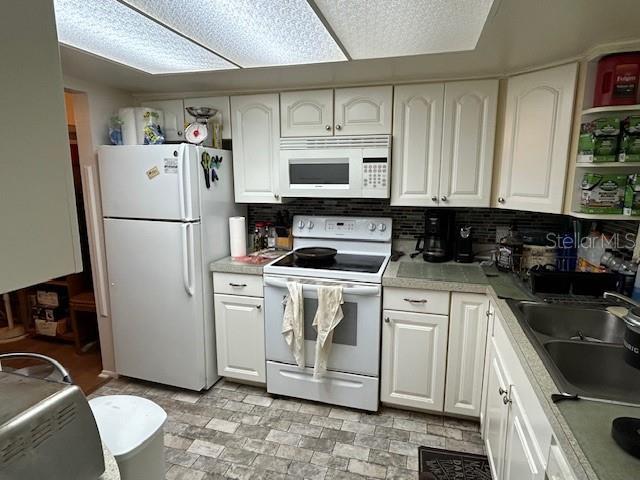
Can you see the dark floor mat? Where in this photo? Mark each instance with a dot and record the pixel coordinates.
(440, 464)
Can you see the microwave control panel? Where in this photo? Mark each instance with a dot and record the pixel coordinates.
(375, 177)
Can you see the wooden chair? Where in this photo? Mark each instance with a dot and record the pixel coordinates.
(81, 302)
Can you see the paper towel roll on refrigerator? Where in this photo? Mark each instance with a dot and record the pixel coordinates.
(133, 123)
(238, 236)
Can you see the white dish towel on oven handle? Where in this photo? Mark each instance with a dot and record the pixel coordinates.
(328, 316)
(293, 322)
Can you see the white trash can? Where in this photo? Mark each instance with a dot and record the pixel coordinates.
(132, 429)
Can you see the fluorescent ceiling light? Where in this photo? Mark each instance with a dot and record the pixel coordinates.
(109, 29)
(251, 33)
(394, 28)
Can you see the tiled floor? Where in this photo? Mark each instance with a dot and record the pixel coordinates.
(242, 432)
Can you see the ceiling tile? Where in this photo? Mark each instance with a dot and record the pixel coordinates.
(109, 29)
(251, 33)
(394, 28)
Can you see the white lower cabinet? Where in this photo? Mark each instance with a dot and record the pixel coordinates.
(414, 356)
(240, 337)
(496, 415)
(465, 357)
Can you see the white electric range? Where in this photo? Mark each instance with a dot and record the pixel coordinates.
(364, 249)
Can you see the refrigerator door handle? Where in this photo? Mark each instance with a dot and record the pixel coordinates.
(187, 257)
(181, 183)
(187, 166)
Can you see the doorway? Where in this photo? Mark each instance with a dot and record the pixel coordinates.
(59, 317)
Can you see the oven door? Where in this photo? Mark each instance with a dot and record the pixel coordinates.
(331, 172)
(356, 339)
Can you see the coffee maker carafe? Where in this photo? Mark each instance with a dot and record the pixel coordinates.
(438, 235)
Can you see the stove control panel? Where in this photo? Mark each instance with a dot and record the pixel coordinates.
(351, 228)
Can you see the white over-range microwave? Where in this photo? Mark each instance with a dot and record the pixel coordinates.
(341, 166)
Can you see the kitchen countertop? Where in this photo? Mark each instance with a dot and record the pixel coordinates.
(588, 446)
(230, 265)
(111, 471)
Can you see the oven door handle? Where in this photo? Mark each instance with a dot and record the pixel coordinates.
(368, 291)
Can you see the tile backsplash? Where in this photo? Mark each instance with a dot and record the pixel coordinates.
(408, 222)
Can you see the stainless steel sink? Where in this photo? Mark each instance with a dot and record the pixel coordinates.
(582, 349)
(573, 323)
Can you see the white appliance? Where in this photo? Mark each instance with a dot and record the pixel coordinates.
(364, 249)
(162, 228)
(341, 166)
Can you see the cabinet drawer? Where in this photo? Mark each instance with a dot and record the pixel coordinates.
(238, 284)
(416, 300)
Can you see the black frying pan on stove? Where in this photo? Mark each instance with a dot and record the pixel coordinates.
(315, 254)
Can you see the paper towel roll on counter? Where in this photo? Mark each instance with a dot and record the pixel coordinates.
(238, 236)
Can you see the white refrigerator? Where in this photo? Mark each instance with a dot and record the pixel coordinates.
(163, 227)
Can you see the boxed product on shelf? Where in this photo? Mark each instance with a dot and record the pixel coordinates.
(606, 126)
(602, 193)
(586, 142)
(632, 195)
(51, 296)
(598, 140)
(605, 149)
(630, 142)
(51, 328)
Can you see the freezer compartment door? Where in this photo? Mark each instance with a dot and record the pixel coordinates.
(159, 329)
(149, 181)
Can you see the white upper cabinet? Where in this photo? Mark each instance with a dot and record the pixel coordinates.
(467, 143)
(255, 123)
(414, 359)
(39, 238)
(173, 114)
(363, 110)
(306, 114)
(466, 355)
(538, 120)
(219, 103)
(417, 142)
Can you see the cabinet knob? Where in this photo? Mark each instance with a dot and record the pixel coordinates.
(387, 319)
(501, 391)
(327, 127)
(506, 400)
(259, 307)
(434, 199)
(338, 127)
(500, 199)
(276, 196)
(443, 198)
(179, 133)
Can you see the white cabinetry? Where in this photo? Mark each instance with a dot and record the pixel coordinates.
(39, 238)
(219, 103)
(413, 359)
(239, 328)
(173, 114)
(537, 128)
(308, 113)
(557, 466)
(496, 415)
(417, 143)
(255, 123)
(466, 354)
(443, 136)
(363, 110)
(469, 126)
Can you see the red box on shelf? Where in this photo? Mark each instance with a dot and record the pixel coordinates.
(618, 80)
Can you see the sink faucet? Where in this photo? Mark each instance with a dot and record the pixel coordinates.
(621, 298)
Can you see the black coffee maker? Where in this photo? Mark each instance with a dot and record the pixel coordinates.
(464, 244)
(439, 240)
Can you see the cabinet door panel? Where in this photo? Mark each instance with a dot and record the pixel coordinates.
(417, 143)
(413, 359)
(465, 358)
(219, 103)
(363, 110)
(173, 115)
(39, 238)
(537, 130)
(240, 337)
(467, 145)
(497, 413)
(307, 113)
(520, 458)
(256, 148)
